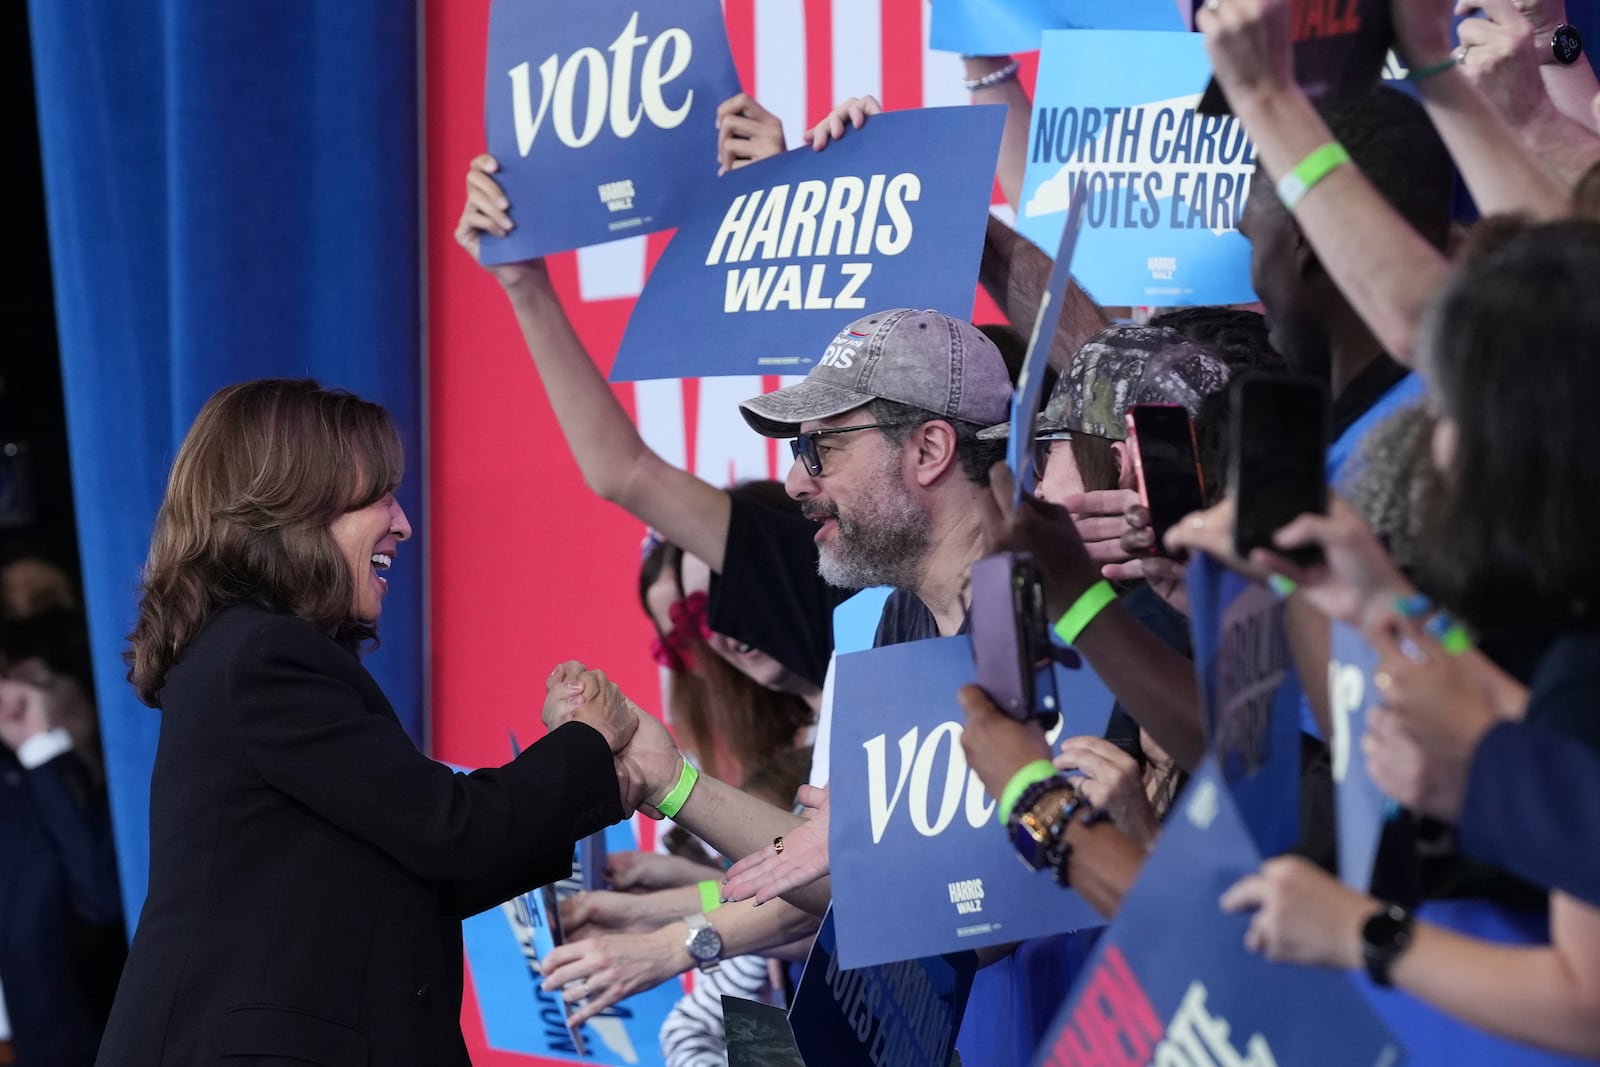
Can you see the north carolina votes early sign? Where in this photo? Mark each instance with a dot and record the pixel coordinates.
(1113, 112)
(781, 255)
(600, 114)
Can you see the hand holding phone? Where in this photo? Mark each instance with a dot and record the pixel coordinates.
(1166, 462)
(1011, 648)
(1278, 468)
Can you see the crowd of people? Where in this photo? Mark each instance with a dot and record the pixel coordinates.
(310, 868)
(1459, 492)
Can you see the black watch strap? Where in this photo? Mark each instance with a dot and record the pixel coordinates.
(1384, 937)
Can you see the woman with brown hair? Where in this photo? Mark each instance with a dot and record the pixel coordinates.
(309, 868)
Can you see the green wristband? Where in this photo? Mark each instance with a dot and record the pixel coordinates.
(1416, 74)
(710, 896)
(1321, 162)
(1456, 640)
(1083, 612)
(673, 802)
(1037, 771)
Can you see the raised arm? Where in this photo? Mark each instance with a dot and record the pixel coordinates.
(1502, 174)
(993, 80)
(1499, 55)
(616, 463)
(1384, 267)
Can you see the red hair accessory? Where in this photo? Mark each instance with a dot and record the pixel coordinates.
(674, 650)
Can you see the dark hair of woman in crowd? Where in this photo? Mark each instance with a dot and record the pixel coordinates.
(1506, 349)
(235, 529)
(731, 722)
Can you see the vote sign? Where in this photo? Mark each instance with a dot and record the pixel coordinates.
(1362, 808)
(920, 863)
(601, 116)
(1114, 120)
(778, 256)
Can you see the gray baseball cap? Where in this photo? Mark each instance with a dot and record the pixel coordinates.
(920, 358)
(1119, 367)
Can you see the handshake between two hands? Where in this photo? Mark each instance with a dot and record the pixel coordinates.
(647, 761)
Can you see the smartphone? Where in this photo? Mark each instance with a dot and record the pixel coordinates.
(1166, 462)
(1278, 467)
(1012, 656)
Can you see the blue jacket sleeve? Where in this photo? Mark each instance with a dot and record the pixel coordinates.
(1533, 807)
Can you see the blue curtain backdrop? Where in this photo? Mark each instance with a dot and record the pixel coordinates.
(232, 193)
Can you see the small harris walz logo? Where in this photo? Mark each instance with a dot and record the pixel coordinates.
(967, 896)
(617, 196)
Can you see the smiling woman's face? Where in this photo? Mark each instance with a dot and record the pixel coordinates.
(367, 538)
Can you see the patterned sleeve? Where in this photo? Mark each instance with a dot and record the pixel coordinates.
(692, 1036)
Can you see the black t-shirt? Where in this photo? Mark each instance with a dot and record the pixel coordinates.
(906, 618)
(769, 594)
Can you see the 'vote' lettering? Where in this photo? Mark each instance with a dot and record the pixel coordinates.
(610, 89)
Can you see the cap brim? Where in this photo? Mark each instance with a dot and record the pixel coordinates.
(1001, 431)
(780, 413)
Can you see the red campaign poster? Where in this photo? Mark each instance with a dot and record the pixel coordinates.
(527, 567)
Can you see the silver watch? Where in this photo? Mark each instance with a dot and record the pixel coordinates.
(704, 944)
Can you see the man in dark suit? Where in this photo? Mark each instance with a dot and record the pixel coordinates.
(61, 932)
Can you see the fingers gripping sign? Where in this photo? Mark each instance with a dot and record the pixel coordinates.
(746, 133)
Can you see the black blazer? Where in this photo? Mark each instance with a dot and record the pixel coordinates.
(61, 937)
(309, 868)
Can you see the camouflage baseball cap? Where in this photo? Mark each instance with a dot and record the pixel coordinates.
(1122, 366)
(921, 358)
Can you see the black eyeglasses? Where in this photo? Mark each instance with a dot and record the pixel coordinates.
(804, 447)
(1041, 450)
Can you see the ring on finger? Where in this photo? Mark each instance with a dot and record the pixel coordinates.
(777, 844)
(584, 984)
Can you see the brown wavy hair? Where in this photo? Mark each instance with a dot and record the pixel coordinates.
(264, 471)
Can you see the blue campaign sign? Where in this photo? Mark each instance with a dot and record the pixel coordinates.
(1362, 807)
(904, 1012)
(1001, 27)
(1171, 982)
(920, 864)
(504, 946)
(601, 115)
(1251, 694)
(1113, 114)
(777, 257)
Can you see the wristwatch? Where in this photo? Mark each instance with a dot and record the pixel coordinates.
(1383, 938)
(1566, 44)
(704, 944)
(1036, 831)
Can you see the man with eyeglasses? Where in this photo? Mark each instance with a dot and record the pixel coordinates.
(889, 462)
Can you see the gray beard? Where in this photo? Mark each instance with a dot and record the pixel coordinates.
(884, 546)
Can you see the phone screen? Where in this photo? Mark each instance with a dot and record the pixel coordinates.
(1280, 446)
(1167, 465)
